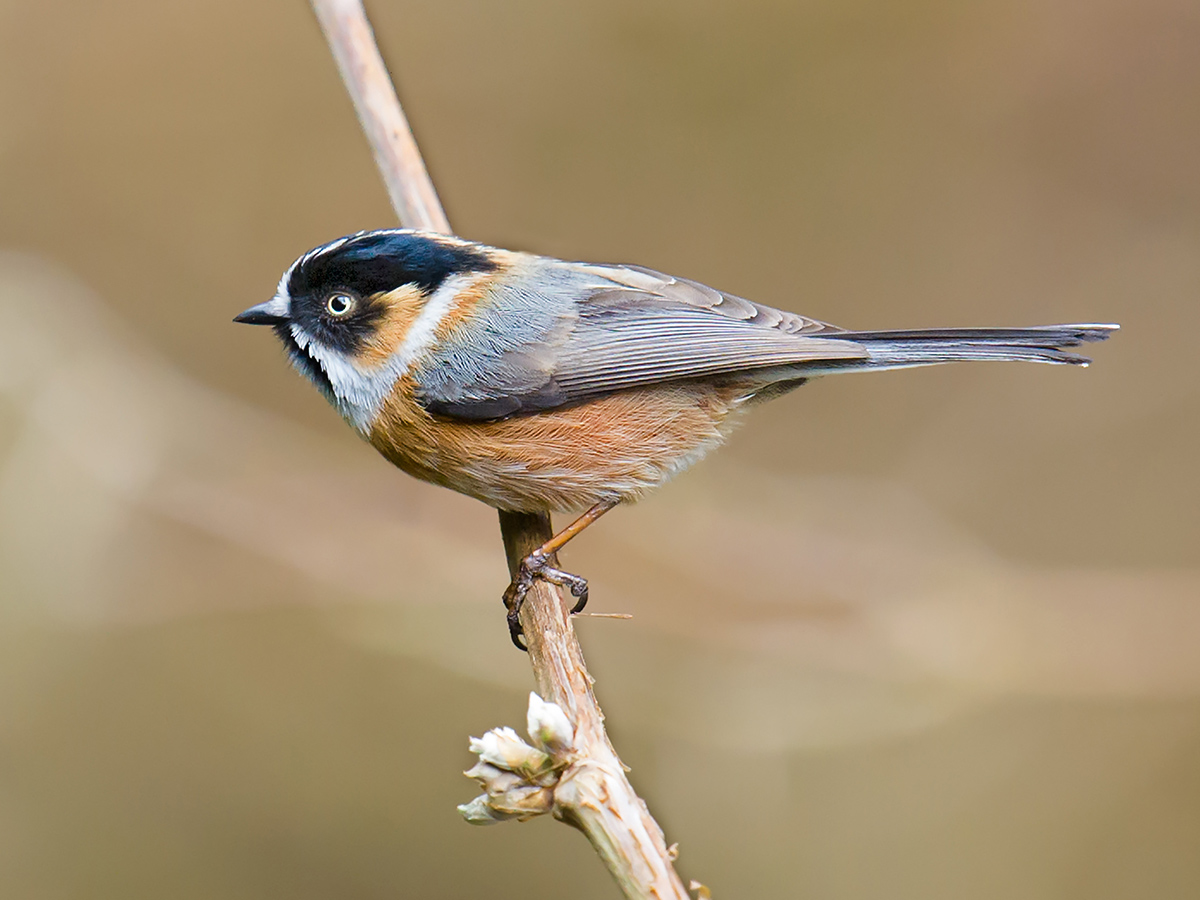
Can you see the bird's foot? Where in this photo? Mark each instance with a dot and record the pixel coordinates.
(537, 565)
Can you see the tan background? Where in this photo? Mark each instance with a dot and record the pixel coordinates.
(932, 634)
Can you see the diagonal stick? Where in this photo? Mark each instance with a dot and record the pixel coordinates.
(379, 112)
(593, 795)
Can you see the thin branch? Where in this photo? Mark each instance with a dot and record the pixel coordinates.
(366, 77)
(593, 793)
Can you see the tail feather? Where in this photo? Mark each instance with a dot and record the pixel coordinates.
(925, 347)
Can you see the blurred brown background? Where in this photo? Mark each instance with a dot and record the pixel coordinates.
(240, 656)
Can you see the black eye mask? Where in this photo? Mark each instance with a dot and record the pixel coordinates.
(346, 334)
(366, 266)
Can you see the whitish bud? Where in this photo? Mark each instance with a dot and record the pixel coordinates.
(549, 726)
(519, 779)
(503, 748)
(477, 812)
(493, 780)
(523, 802)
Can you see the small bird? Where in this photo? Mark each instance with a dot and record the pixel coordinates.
(535, 384)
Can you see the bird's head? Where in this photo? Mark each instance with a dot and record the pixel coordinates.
(356, 313)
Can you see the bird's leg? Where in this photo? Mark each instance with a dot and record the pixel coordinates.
(538, 564)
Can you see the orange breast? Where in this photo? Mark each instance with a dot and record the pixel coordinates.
(617, 447)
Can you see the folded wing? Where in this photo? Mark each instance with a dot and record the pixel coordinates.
(594, 330)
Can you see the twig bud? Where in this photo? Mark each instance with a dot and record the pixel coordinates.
(479, 812)
(503, 748)
(549, 726)
(518, 780)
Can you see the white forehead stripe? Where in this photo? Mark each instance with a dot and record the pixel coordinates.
(276, 306)
(359, 391)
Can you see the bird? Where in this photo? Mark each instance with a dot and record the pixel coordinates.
(535, 384)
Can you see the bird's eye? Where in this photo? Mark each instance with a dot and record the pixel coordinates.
(340, 304)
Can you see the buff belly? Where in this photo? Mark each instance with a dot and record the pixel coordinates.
(618, 447)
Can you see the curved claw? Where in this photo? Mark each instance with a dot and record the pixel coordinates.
(515, 631)
(579, 588)
(532, 567)
(514, 599)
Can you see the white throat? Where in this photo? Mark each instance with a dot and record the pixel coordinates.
(358, 390)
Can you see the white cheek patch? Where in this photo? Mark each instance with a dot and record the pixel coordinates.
(359, 391)
(357, 394)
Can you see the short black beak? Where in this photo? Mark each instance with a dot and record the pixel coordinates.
(273, 312)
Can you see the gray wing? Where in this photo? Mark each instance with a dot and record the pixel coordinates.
(593, 330)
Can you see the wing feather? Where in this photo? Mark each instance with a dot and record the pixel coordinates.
(593, 330)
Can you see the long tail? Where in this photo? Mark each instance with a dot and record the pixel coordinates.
(926, 347)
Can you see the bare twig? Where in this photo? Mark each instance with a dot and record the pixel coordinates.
(353, 44)
(593, 793)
